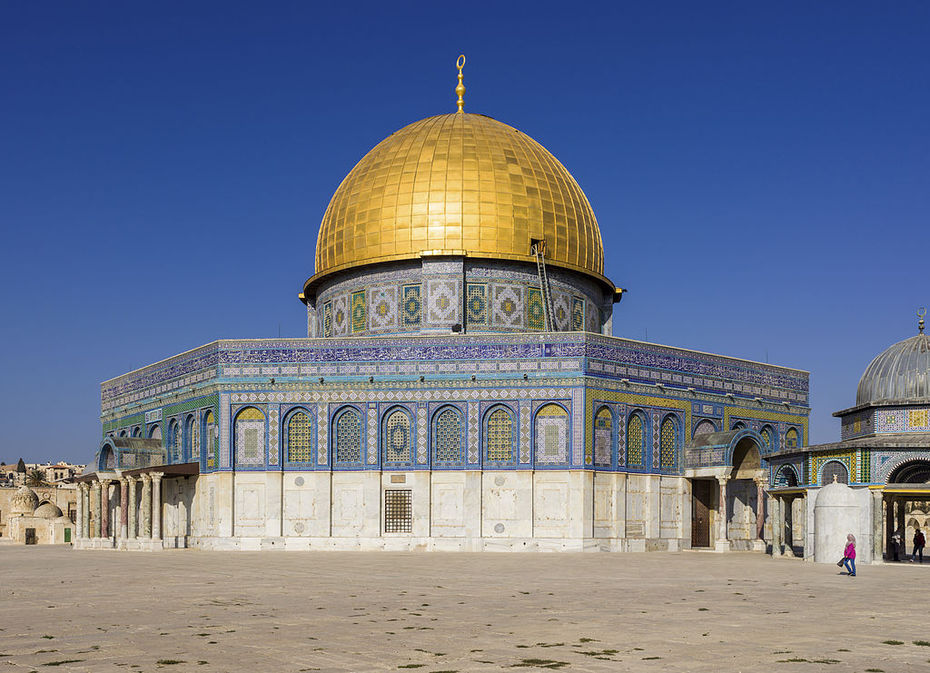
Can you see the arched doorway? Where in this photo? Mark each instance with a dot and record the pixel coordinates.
(907, 508)
(745, 504)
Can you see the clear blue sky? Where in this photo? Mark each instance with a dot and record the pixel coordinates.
(759, 170)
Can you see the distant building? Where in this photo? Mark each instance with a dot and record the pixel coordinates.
(63, 496)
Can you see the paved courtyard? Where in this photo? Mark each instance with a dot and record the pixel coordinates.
(328, 611)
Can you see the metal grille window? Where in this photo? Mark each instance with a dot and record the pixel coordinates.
(209, 436)
(603, 436)
(834, 469)
(250, 437)
(552, 435)
(349, 437)
(635, 441)
(705, 427)
(668, 446)
(500, 436)
(174, 431)
(192, 440)
(299, 446)
(398, 511)
(448, 436)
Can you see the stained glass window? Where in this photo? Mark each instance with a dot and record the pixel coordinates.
(397, 437)
(635, 441)
(552, 434)
(792, 440)
(299, 446)
(349, 437)
(767, 437)
(603, 436)
(668, 442)
(447, 436)
(250, 437)
(209, 434)
(499, 433)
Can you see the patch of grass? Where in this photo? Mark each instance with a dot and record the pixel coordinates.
(62, 662)
(169, 662)
(892, 642)
(793, 660)
(586, 640)
(922, 643)
(540, 663)
(48, 637)
(550, 644)
(44, 651)
(875, 670)
(825, 661)
(842, 649)
(411, 666)
(702, 609)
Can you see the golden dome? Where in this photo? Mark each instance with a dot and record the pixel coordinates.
(458, 184)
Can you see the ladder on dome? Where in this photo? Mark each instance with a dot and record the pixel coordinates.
(538, 249)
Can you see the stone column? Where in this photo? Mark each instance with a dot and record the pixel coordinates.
(88, 533)
(156, 504)
(889, 527)
(876, 526)
(777, 530)
(123, 507)
(105, 508)
(722, 543)
(131, 520)
(146, 505)
(95, 509)
(79, 524)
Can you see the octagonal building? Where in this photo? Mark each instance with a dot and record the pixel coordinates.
(460, 388)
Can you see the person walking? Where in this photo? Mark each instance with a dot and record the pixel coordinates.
(849, 555)
(919, 542)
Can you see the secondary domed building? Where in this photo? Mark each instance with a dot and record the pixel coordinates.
(460, 387)
(884, 450)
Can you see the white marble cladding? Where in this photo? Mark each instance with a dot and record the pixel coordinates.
(558, 510)
(443, 298)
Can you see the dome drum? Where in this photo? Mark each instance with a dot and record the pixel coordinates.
(447, 294)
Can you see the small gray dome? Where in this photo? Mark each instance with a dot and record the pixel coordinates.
(47, 511)
(24, 501)
(898, 375)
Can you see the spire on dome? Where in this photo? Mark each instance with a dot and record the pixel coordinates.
(921, 312)
(460, 89)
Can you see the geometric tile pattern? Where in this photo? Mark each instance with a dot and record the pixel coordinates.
(473, 445)
(705, 427)
(322, 429)
(250, 437)
(551, 435)
(477, 304)
(273, 411)
(413, 306)
(359, 321)
(397, 437)
(383, 307)
(525, 417)
(443, 301)
(535, 313)
(507, 305)
(372, 456)
(577, 314)
(328, 319)
(603, 437)
(340, 315)
(422, 435)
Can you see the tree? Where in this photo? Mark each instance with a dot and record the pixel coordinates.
(36, 478)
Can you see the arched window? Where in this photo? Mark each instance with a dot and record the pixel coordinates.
(155, 432)
(792, 439)
(299, 438)
(705, 427)
(122, 433)
(635, 440)
(396, 437)
(448, 438)
(603, 437)
(191, 439)
(209, 439)
(174, 440)
(250, 437)
(786, 477)
(768, 438)
(551, 434)
(831, 469)
(348, 437)
(739, 425)
(668, 442)
(137, 431)
(498, 433)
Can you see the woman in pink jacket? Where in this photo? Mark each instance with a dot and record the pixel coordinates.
(849, 554)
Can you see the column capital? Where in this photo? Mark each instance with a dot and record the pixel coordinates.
(145, 477)
(156, 476)
(723, 479)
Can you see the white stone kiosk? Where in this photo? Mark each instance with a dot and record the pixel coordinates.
(838, 511)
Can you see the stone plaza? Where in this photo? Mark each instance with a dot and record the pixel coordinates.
(343, 611)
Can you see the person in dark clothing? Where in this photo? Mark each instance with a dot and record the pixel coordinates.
(919, 542)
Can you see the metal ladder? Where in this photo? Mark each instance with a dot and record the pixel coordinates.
(539, 251)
